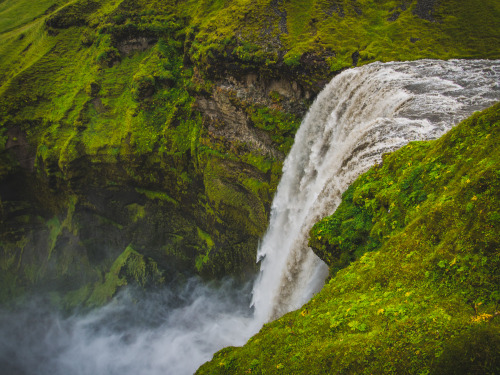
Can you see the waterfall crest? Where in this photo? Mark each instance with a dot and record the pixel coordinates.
(361, 114)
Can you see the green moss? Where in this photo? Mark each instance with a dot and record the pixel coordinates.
(337, 31)
(137, 212)
(205, 237)
(280, 125)
(157, 195)
(10, 276)
(130, 266)
(15, 13)
(231, 199)
(105, 93)
(102, 292)
(55, 228)
(75, 299)
(203, 258)
(413, 250)
(472, 351)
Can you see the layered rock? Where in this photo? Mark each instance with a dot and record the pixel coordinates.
(162, 127)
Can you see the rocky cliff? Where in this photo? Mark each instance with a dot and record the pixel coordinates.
(414, 270)
(141, 141)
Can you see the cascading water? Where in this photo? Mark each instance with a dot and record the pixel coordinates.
(361, 114)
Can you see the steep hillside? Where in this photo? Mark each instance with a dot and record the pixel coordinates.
(151, 132)
(415, 270)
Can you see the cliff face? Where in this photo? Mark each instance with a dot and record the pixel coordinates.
(150, 134)
(414, 261)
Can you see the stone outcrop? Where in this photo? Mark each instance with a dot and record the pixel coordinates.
(162, 128)
(425, 9)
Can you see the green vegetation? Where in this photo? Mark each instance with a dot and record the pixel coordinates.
(130, 266)
(414, 287)
(160, 127)
(102, 99)
(16, 13)
(281, 126)
(141, 122)
(340, 33)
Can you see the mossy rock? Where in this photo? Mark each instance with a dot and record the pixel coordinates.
(129, 267)
(104, 94)
(74, 14)
(474, 351)
(416, 289)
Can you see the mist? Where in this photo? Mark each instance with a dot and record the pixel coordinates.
(169, 331)
(361, 114)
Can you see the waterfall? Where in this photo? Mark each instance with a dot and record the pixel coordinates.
(361, 114)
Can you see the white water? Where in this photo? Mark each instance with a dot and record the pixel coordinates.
(361, 114)
(166, 332)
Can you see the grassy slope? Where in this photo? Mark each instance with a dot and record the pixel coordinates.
(15, 13)
(95, 116)
(87, 114)
(46, 77)
(378, 30)
(423, 299)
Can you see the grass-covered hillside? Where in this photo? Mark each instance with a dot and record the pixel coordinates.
(161, 126)
(415, 270)
(320, 36)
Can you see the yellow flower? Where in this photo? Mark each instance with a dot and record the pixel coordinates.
(481, 318)
(474, 198)
(380, 311)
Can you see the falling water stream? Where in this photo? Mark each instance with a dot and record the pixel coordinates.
(361, 114)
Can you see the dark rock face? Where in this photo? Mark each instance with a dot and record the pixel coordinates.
(355, 58)
(277, 8)
(85, 213)
(315, 65)
(71, 237)
(169, 131)
(226, 103)
(138, 44)
(20, 148)
(224, 120)
(335, 6)
(425, 8)
(394, 16)
(397, 11)
(72, 15)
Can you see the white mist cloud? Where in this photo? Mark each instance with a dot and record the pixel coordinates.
(166, 332)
